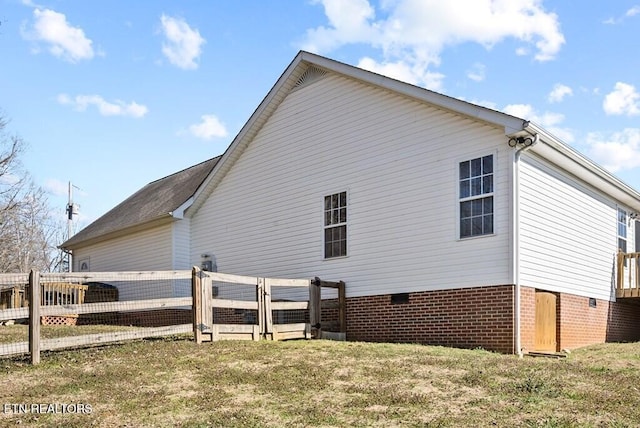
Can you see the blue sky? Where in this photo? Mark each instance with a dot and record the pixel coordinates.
(114, 94)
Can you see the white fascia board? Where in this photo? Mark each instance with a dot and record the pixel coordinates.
(510, 123)
(584, 168)
(251, 127)
(179, 212)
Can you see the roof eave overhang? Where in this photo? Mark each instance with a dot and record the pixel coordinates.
(178, 213)
(582, 167)
(510, 123)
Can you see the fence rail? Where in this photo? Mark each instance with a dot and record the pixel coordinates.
(628, 275)
(217, 306)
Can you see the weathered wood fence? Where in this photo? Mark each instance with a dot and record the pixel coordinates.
(66, 297)
(206, 329)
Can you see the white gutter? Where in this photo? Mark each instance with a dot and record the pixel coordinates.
(516, 239)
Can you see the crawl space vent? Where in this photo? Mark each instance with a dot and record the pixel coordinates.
(312, 74)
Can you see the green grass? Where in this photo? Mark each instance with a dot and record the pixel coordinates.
(20, 332)
(174, 382)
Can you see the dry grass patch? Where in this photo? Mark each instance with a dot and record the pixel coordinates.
(174, 382)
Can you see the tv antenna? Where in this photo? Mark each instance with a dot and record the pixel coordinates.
(72, 210)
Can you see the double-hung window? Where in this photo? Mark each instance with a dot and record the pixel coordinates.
(335, 225)
(476, 196)
(622, 230)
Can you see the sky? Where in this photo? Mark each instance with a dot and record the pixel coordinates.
(111, 94)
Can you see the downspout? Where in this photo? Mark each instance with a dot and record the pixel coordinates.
(526, 144)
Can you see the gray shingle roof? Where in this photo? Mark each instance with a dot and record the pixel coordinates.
(154, 201)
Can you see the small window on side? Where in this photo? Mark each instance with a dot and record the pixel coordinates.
(335, 225)
(476, 207)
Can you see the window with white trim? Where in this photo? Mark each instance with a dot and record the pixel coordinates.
(622, 230)
(335, 225)
(476, 196)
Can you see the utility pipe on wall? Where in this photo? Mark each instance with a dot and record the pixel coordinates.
(526, 144)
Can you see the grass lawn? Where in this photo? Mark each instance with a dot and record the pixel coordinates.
(174, 382)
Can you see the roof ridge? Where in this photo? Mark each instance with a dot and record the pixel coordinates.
(183, 170)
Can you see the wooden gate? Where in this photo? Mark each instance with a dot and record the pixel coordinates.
(546, 303)
(219, 314)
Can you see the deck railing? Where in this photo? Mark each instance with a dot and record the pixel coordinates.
(628, 275)
(53, 293)
(63, 294)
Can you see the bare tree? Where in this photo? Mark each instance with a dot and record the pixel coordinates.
(28, 231)
(11, 173)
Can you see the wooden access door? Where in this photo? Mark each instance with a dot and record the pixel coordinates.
(545, 321)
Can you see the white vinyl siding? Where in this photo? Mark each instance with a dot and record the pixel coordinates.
(568, 232)
(181, 244)
(146, 250)
(399, 160)
(140, 251)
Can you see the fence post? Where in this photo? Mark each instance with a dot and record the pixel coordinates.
(342, 308)
(268, 313)
(314, 308)
(620, 273)
(196, 293)
(34, 316)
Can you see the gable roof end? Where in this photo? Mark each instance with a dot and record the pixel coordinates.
(290, 77)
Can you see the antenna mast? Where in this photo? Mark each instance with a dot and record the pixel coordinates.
(72, 209)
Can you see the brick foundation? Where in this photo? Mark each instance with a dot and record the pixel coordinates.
(579, 324)
(465, 318)
(527, 318)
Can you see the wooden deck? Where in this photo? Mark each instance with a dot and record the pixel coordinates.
(628, 275)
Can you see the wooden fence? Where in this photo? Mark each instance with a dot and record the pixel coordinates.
(65, 289)
(67, 297)
(206, 329)
(628, 275)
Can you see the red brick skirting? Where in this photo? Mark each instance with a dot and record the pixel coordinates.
(580, 324)
(464, 318)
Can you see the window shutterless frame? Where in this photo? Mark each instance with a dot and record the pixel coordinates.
(622, 230)
(476, 187)
(335, 216)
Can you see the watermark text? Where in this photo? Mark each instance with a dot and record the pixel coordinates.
(47, 408)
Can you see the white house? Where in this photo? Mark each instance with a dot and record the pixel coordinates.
(450, 223)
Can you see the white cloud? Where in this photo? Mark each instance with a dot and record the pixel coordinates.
(183, 45)
(549, 120)
(56, 187)
(412, 33)
(64, 41)
(623, 100)
(349, 23)
(477, 72)
(618, 151)
(115, 108)
(209, 127)
(558, 93)
(404, 71)
(635, 10)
